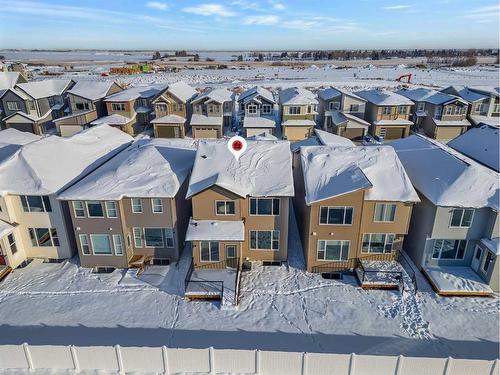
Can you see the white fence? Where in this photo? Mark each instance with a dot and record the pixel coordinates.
(214, 361)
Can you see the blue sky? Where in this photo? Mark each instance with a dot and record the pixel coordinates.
(250, 24)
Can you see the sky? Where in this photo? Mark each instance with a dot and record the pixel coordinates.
(249, 25)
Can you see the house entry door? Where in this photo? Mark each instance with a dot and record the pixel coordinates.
(476, 260)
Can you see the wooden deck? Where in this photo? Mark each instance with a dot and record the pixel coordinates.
(4, 272)
(457, 293)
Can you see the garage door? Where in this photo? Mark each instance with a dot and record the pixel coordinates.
(394, 133)
(205, 133)
(353, 133)
(22, 127)
(167, 132)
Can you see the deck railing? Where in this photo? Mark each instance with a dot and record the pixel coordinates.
(223, 264)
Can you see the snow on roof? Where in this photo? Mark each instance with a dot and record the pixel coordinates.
(257, 91)
(205, 120)
(92, 90)
(147, 168)
(264, 169)
(258, 122)
(169, 119)
(480, 144)
(330, 139)
(330, 171)
(329, 93)
(5, 229)
(44, 89)
(217, 95)
(17, 137)
(384, 97)
(310, 141)
(182, 91)
(428, 96)
(466, 93)
(492, 244)
(298, 123)
(215, 230)
(393, 122)
(8, 79)
(446, 177)
(136, 92)
(488, 90)
(263, 137)
(48, 165)
(486, 120)
(463, 122)
(297, 96)
(113, 119)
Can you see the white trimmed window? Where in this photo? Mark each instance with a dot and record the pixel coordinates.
(94, 209)
(136, 205)
(138, 237)
(336, 215)
(354, 108)
(252, 109)
(332, 250)
(118, 244)
(264, 239)
(461, 218)
(449, 110)
(334, 106)
(43, 237)
(78, 209)
(384, 212)
(449, 249)
(84, 244)
(267, 109)
(161, 107)
(13, 106)
(438, 111)
(403, 109)
(111, 210)
(496, 108)
(224, 208)
(118, 106)
(153, 237)
(377, 243)
(209, 251)
(420, 106)
(157, 205)
(169, 237)
(101, 244)
(294, 110)
(12, 243)
(386, 110)
(35, 203)
(265, 206)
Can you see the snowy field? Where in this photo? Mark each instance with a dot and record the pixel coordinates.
(281, 308)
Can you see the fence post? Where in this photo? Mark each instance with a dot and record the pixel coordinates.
(351, 364)
(257, 361)
(305, 357)
(74, 357)
(211, 360)
(494, 368)
(28, 356)
(119, 359)
(399, 364)
(164, 354)
(447, 366)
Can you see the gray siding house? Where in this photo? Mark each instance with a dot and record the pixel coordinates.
(256, 111)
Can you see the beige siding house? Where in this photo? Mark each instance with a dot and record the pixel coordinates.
(388, 113)
(298, 111)
(256, 111)
(123, 217)
(213, 111)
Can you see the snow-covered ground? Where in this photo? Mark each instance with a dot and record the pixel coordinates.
(281, 308)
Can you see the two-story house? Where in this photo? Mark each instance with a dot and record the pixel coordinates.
(439, 115)
(240, 207)
(85, 104)
(213, 110)
(173, 111)
(341, 112)
(351, 203)
(130, 110)
(388, 113)
(454, 230)
(298, 111)
(256, 111)
(131, 211)
(7, 81)
(33, 176)
(32, 106)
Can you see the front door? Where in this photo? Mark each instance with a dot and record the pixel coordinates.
(476, 260)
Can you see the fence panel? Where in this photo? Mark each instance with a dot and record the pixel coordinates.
(327, 364)
(237, 361)
(418, 366)
(374, 365)
(13, 356)
(137, 359)
(51, 357)
(188, 360)
(280, 363)
(97, 357)
(468, 366)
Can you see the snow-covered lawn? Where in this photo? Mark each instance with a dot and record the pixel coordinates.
(457, 280)
(281, 308)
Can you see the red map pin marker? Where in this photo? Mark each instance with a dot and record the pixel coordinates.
(237, 146)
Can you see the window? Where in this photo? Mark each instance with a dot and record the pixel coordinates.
(334, 106)
(496, 108)
(458, 110)
(354, 108)
(94, 209)
(420, 106)
(78, 209)
(377, 243)
(174, 107)
(157, 205)
(384, 212)
(101, 244)
(169, 236)
(487, 261)
(382, 132)
(403, 110)
(138, 237)
(136, 205)
(43, 237)
(211, 108)
(82, 106)
(224, 208)
(153, 237)
(118, 243)
(336, 215)
(386, 110)
(449, 110)
(35, 203)
(267, 109)
(111, 210)
(84, 244)
(461, 218)
(309, 109)
(13, 106)
(332, 250)
(294, 110)
(478, 107)
(437, 112)
(162, 107)
(449, 249)
(52, 101)
(31, 105)
(264, 206)
(118, 106)
(264, 239)
(209, 251)
(12, 243)
(180, 106)
(230, 251)
(252, 109)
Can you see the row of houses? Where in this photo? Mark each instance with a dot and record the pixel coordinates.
(121, 202)
(177, 110)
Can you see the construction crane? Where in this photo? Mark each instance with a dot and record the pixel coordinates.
(407, 76)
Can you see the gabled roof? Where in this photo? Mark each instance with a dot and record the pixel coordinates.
(45, 89)
(92, 90)
(217, 95)
(487, 90)
(11, 140)
(263, 170)
(329, 93)
(136, 92)
(384, 97)
(446, 177)
(48, 165)
(255, 92)
(331, 171)
(480, 144)
(465, 93)
(148, 168)
(182, 91)
(113, 119)
(330, 139)
(429, 96)
(297, 96)
(5, 229)
(205, 120)
(9, 79)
